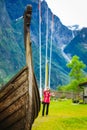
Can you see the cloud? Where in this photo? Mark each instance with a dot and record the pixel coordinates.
(70, 12)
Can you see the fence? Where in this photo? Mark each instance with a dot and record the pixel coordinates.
(68, 95)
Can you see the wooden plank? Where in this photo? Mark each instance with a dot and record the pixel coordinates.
(17, 126)
(14, 96)
(35, 102)
(15, 117)
(21, 78)
(36, 97)
(14, 107)
(13, 85)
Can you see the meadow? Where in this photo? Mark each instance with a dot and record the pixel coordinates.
(63, 115)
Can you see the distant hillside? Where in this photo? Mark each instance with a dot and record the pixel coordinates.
(11, 54)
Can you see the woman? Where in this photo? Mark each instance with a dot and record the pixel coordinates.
(46, 101)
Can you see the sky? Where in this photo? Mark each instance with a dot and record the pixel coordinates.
(70, 12)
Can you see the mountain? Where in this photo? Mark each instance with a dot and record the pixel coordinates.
(78, 46)
(12, 51)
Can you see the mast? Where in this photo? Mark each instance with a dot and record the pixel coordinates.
(47, 74)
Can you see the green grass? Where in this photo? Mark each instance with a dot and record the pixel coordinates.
(63, 115)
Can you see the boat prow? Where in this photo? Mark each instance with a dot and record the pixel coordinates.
(19, 98)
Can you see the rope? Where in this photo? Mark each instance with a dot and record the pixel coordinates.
(46, 49)
(51, 51)
(46, 59)
(40, 48)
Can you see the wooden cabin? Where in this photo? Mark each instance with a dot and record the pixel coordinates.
(84, 85)
(19, 98)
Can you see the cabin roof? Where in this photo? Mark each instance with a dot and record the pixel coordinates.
(14, 77)
(84, 84)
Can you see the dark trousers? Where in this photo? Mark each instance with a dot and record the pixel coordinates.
(45, 108)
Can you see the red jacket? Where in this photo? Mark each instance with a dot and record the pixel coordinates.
(46, 95)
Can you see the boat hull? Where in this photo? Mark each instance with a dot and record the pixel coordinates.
(15, 113)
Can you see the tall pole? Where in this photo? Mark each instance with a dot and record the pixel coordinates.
(47, 74)
(40, 89)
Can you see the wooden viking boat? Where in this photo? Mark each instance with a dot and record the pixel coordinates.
(19, 98)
